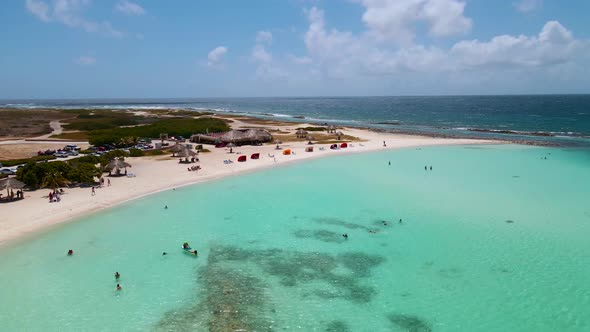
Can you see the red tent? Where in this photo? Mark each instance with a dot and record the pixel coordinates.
(343, 145)
(242, 158)
(255, 156)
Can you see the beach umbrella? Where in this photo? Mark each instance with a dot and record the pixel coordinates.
(177, 148)
(186, 153)
(117, 164)
(11, 183)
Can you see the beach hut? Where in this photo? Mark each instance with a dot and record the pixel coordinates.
(255, 156)
(242, 159)
(286, 152)
(343, 145)
(309, 149)
(116, 165)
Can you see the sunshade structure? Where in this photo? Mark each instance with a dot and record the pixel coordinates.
(117, 165)
(287, 152)
(238, 137)
(186, 153)
(178, 148)
(301, 133)
(9, 184)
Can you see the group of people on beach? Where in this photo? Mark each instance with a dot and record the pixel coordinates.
(55, 196)
(19, 194)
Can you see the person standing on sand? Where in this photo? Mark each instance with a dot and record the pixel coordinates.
(108, 182)
(93, 192)
(50, 197)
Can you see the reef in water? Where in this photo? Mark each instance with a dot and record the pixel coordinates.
(409, 323)
(233, 299)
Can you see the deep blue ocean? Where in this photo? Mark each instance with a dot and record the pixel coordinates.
(552, 119)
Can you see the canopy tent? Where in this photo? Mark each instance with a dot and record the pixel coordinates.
(255, 156)
(242, 158)
(287, 152)
(344, 145)
(309, 149)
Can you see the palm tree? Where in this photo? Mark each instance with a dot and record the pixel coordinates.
(54, 180)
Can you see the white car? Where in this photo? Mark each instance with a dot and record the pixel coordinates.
(61, 154)
(9, 171)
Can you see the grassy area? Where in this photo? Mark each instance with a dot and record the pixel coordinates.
(313, 128)
(88, 120)
(173, 127)
(75, 136)
(26, 123)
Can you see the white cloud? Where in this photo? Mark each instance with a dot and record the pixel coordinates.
(215, 57)
(554, 44)
(39, 9)
(264, 37)
(396, 19)
(85, 60)
(259, 53)
(343, 54)
(69, 13)
(300, 60)
(527, 6)
(129, 8)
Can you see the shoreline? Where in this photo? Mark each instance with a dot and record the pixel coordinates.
(34, 215)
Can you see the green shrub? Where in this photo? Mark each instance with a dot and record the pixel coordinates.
(136, 153)
(174, 127)
(313, 128)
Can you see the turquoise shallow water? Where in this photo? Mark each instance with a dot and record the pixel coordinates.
(494, 238)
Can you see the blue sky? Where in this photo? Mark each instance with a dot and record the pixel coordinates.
(186, 48)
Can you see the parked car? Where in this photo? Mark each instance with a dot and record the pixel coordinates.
(9, 171)
(72, 147)
(73, 153)
(61, 154)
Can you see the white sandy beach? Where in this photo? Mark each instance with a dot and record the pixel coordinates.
(154, 174)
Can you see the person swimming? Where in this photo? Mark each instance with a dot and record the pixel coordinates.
(119, 287)
(400, 221)
(70, 252)
(185, 245)
(345, 236)
(117, 275)
(166, 207)
(164, 253)
(384, 223)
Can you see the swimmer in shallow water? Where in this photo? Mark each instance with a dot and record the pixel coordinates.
(164, 253)
(117, 275)
(166, 207)
(70, 252)
(119, 287)
(345, 236)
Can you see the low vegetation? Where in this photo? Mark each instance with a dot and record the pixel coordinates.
(173, 127)
(14, 162)
(313, 128)
(26, 123)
